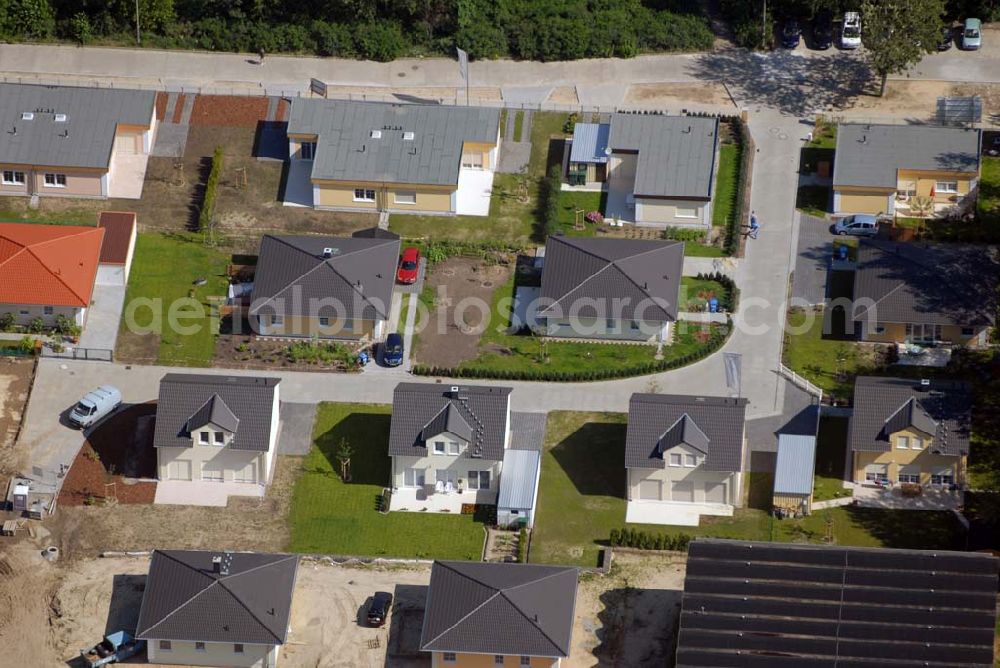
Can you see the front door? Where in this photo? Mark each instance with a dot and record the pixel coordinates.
(715, 492)
(649, 490)
(683, 491)
(179, 469)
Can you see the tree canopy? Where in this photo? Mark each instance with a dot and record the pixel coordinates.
(898, 33)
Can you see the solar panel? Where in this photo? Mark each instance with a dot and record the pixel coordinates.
(959, 110)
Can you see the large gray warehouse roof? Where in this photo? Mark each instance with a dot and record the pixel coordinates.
(347, 151)
(676, 153)
(870, 155)
(85, 139)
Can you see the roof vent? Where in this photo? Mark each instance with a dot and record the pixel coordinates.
(27, 115)
(60, 118)
(376, 134)
(925, 384)
(408, 136)
(330, 252)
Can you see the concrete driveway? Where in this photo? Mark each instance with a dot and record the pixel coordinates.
(297, 421)
(812, 260)
(104, 317)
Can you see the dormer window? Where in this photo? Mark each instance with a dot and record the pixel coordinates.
(690, 461)
(203, 437)
(220, 438)
(675, 459)
(438, 447)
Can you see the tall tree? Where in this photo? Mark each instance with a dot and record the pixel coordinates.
(898, 33)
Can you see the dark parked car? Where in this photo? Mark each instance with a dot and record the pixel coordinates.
(409, 266)
(378, 611)
(392, 350)
(823, 31)
(791, 33)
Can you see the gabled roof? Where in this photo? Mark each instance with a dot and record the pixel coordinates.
(884, 406)
(186, 600)
(645, 272)
(676, 154)
(118, 226)
(714, 424)
(84, 139)
(424, 410)
(50, 265)
(496, 608)
(871, 155)
(774, 605)
(347, 151)
(186, 399)
(925, 283)
(358, 275)
(214, 411)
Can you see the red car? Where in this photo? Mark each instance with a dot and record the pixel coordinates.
(409, 266)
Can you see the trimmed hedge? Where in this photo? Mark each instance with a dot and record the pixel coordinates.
(642, 540)
(731, 300)
(718, 337)
(741, 212)
(211, 186)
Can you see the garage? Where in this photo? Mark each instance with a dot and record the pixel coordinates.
(649, 490)
(715, 492)
(683, 491)
(179, 470)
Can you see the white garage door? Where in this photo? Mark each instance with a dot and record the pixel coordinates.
(247, 474)
(125, 144)
(715, 492)
(683, 491)
(179, 470)
(211, 472)
(649, 490)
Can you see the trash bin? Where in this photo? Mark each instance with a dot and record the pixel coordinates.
(842, 251)
(713, 305)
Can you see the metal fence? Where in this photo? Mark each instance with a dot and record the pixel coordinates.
(92, 354)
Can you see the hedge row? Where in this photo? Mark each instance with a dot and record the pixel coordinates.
(642, 540)
(715, 342)
(211, 186)
(735, 223)
(732, 297)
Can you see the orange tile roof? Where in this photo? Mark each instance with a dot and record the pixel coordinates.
(51, 265)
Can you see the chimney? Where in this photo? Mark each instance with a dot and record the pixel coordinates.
(217, 565)
(925, 384)
(327, 253)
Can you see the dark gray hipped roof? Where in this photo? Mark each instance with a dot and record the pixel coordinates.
(676, 153)
(85, 139)
(606, 270)
(495, 608)
(186, 600)
(883, 406)
(871, 155)
(771, 605)
(424, 410)
(358, 276)
(652, 418)
(346, 151)
(926, 283)
(214, 411)
(184, 399)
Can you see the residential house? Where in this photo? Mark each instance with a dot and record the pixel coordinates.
(684, 457)
(48, 271)
(203, 608)
(624, 289)
(925, 293)
(447, 445)
(497, 614)
(794, 473)
(75, 142)
(763, 605)
(658, 170)
(220, 429)
(910, 431)
(324, 287)
(882, 168)
(118, 247)
(403, 158)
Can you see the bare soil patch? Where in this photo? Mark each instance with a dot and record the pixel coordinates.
(228, 110)
(238, 351)
(676, 94)
(564, 95)
(450, 337)
(16, 375)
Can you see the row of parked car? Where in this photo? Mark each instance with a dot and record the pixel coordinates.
(969, 35)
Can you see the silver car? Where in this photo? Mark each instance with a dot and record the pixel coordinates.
(858, 225)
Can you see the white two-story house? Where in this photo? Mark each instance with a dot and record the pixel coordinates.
(447, 445)
(684, 457)
(221, 429)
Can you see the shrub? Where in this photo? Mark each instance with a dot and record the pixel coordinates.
(26, 344)
(211, 186)
(522, 546)
(7, 321)
(333, 39)
(549, 201)
(595, 217)
(570, 123)
(382, 41)
(78, 28)
(36, 326)
(684, 234)
(66, 326)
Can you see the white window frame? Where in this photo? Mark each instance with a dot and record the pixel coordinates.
(525, 660)
(16, 177)
(165, 646)
(912, 476)
(473, 160)
(685, 212)
(414, 478)
(872, 476)
(950, 187)
(902, 442)
(406, 200)
(476, 480)
(56, 178)
(367, 195)
(218, 438)
(943, 477)
(690, 461)
(916, 443)
(324, 322)
(498, 659)
(203, 437)
(446, 475)
(448, 657)
(454, 448)
(440, 448)
(676, 459)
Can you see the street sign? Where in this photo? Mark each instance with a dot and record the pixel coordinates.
(317, 87)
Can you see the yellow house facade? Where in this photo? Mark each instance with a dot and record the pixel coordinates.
(911, 459)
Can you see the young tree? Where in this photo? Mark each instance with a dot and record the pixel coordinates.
(898, 33)
(344, 453)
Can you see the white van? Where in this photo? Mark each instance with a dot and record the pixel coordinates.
(850, 34)
(95, 405)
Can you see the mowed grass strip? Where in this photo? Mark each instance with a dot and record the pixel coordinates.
(330, 516)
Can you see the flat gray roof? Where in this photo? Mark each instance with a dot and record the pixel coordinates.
(870, 155)
(85, 139)
(347, 151)
(518, 479)
(589, 142)
(793, 472)
(676, 153)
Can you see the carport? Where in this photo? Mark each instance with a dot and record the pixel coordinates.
(518, 488)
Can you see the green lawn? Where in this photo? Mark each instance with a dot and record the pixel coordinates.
(724, 204)
(824, 135)
(332, 517)
(831, 448)
(570, 203)
(582, 498)
(829, 363)
(695, 293)
(813, 200)
(164, 270)
(701, 250)
(989, 194)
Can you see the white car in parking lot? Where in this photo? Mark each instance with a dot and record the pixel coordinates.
(850, 33)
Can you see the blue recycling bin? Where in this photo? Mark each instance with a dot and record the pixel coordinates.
(842, 251)
(713, 305)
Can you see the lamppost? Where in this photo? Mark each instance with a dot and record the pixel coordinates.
(138, 37)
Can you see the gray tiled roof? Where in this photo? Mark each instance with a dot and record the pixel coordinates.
(795, 465)
(185, 600)
(883, 406)
(359, 275)
(91, 117)
(607, 270)
(346, 151)
(685, 431)
(651, 417)
(926, 283)
(415, 406)
(250, 399)
(589, 142)
(495, 608)
(870, 155)
(676, 153)
(214, 411)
